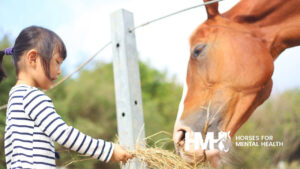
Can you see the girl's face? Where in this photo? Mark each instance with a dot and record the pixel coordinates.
(42, 80)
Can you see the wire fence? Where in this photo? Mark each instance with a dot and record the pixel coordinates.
(171, 14)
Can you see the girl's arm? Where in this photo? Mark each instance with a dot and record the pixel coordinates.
(40, 109)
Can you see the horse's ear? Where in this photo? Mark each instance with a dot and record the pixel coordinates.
(211, 9)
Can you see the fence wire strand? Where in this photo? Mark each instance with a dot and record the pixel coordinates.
(171, 14)
(80, 66)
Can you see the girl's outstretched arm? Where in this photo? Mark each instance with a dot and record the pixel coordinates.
(39, 108)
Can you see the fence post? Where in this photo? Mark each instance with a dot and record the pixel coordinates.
(127, 83)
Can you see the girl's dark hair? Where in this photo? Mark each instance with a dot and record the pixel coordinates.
(2, 72)
(45, 41)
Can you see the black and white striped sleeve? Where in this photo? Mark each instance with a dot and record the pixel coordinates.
(40, 109)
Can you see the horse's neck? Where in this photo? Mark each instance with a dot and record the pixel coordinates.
(264, 12)
(279, 20)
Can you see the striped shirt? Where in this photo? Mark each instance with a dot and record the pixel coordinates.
(32, 125)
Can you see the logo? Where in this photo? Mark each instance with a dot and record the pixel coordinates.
(222, 143)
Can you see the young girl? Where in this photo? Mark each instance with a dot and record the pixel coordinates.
(32, 123)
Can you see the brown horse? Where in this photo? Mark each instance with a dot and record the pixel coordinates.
(231, 65)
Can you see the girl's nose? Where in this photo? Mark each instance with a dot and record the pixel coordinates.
(59, 72)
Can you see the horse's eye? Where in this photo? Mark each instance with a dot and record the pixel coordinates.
(198, 49)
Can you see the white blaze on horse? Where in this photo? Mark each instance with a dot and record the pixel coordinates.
(230, 67)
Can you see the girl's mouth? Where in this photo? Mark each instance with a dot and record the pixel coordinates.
(53, 79)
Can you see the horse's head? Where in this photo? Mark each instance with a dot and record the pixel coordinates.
(230, 67)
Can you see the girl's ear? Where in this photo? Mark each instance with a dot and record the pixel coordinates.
(31, 57)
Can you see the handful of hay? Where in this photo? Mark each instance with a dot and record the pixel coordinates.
(158, 158)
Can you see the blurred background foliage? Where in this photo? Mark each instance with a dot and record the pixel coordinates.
(87, 102)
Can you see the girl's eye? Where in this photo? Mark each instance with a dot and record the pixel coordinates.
(57, 62)
(198, 50)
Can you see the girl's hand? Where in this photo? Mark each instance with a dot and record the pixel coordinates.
(120, 154)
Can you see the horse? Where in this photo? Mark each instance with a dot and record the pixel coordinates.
(230, 68)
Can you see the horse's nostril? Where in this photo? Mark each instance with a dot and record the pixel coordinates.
(179, 134)
(179, 137)
(182, 135)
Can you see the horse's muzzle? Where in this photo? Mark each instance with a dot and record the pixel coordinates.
(193, 154)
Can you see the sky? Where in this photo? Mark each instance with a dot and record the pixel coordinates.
(84, 26)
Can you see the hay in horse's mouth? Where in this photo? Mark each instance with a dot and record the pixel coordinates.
(156, 157)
